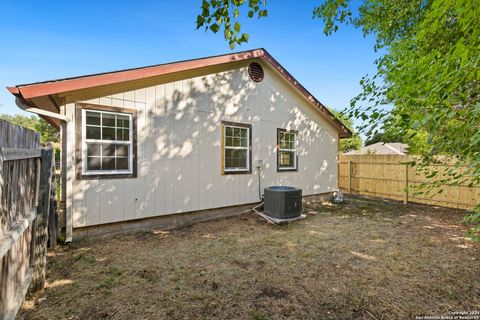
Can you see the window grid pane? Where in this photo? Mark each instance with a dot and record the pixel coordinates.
(107, 157)
(107, 126)
(286, 159)
(92, 118)
(92, 132)
(287, 141)
(108, 120)
(236, 158)
(236, 137)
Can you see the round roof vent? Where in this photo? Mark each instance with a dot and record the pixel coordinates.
(255, 71)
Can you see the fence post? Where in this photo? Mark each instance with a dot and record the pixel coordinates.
(349, 176)
(41, 222)
(405, 199)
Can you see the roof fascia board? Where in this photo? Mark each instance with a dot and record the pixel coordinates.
(35, 90)
(159, 79)
(13, 90)
(30, 91)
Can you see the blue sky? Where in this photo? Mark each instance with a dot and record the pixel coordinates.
(44, 40)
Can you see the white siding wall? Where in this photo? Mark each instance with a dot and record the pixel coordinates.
(179, 155)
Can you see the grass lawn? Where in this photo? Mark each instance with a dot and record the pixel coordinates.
(362, 259)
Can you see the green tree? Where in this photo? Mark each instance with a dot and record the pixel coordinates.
(382, 137)
(429, 71)
(224, 14)
(47, 132)
(349, 144)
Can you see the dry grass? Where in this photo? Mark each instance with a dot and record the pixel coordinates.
(363, 259)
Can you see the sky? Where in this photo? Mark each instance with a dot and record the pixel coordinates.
(44, 40)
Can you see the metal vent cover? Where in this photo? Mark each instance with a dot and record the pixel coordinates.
(255, 71)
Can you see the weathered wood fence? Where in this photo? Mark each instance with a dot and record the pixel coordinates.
(25, 188)
(391, 177)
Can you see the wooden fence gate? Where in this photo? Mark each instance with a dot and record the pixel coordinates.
(392, 177)
(25, 187)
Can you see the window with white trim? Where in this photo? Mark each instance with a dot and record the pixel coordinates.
(236, 153)
(287, 150)
(107, 142)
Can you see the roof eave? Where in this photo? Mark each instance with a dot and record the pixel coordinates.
(71, 84)
(29, 91)
(30, 106)
(13, 90)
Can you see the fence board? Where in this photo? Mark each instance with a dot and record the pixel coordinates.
(16, 232)
(389, 176)
(19, 172)
(20, 154)
(43, 210)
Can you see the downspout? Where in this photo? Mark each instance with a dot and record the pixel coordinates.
(26, 106)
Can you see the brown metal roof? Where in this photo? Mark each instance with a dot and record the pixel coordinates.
(38, 89)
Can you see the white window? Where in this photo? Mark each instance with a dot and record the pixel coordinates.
(107, 142)
(287, 150)
(236, 153)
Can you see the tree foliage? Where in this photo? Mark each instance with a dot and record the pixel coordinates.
(47, 132)
(224, 14)
(353, 143)
(429, 71)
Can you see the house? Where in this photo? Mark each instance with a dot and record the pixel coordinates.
(382, 148)
(177, 140)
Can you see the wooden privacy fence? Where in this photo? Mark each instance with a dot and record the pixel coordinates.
(25, 187)
(391, 177)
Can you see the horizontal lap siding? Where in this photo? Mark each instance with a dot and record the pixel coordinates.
(179, 147)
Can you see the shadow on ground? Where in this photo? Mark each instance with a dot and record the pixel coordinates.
(363, 259)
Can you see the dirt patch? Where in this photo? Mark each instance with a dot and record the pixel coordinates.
(272, 292)
(362, 259)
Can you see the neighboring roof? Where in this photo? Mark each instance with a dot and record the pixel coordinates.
(382, 148)
(29, 91)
